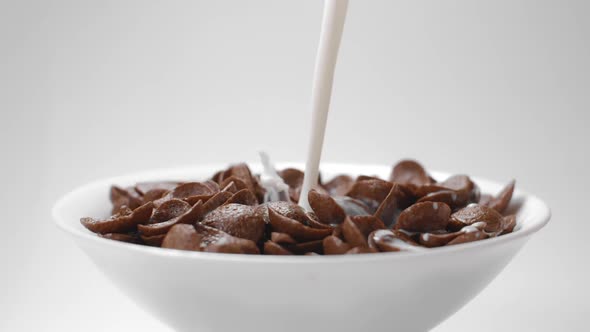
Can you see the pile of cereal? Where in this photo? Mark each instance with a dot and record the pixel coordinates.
(227, 214)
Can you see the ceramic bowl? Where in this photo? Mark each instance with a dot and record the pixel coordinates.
(194, 291)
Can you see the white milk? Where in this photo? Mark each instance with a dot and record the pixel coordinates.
(332, 26)
(276, 188)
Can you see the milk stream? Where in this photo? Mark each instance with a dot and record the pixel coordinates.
(332, 26)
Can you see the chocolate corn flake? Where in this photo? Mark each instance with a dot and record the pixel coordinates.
(272, 248)
(192, 200)
(183, 237)
(144, 187)
(192, 189)
(396, 200)
(352, 234)
(235, 182)
(292, 177)
(301, 248)
(124, 197)
(391, 240)
(432, 240)
(231, 187)
(289, 210)
(421, 191)
(361, 250)
(367, 224)
(501, 201)
(371, 192)
(119, 223)
(168, 210)
(335, 246)
(297, 230)
(239, 220)
(410, 172)
(216, 201)
(410, 211)
(352, 207)
(244, 196)
(424, 217)
(189, 216)
(339, 185)
(314, 222)
(509, 224)
(467, 191)
(153, 195)
(215, 240)
(122, 237)
(325, 208)
(154, 240)
(473, 213)
(188, 191)
(282, 238)
(468, 237)
(449, 197)
(240, 172)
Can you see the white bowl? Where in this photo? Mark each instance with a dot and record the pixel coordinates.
(194, 291)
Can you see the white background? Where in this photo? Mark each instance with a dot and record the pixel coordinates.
(89, 89)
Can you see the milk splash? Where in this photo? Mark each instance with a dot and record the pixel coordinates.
(275, 188)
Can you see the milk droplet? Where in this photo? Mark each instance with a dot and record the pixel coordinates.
(475, 227)
(403, 245)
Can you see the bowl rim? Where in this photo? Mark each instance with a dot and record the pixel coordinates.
(541, 219)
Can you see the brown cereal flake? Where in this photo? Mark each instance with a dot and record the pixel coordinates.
(339, 185)
(468, 237)
(352, 234)
(501, 201)
(282, 238)
(360, 250)
(122, 237)
(424, 217)
(301, 248)
(352, 207)
(190, 216)
(335, 246)
(244, 196)
(392, 240)
(124, 197)
(410, 172)
(371, 192)
(297, 230)
(216, 201)
(120, 223)
(169, 210)
(392, 205)
(182, 237)
(238, 220)
(272, 248)
(325, 208)
(154, 241)
(476, 213)
(144, 187)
